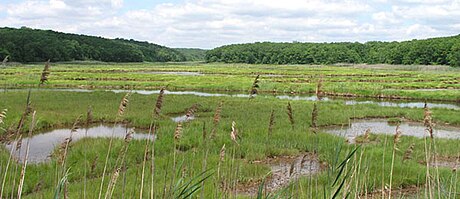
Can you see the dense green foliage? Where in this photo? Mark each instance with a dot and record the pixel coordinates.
(29, 45)
(435, 51)
(193, 54)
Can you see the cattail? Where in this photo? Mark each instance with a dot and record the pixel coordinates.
(234, 133)
(254, 87)
(159, 102)
(319, 91)
(123, 104)
(428, 121)
(216, 119)
(409, 151)
(45, 73)
(314, 118)
(271, 123)
(191, 111)
(222, 154)
(3, 115)
(5, 60)
(178, 132)
(290, 114)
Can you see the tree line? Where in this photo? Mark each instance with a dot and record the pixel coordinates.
(32, 45)
(434, 51)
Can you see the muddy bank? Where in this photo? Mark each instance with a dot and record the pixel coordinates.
(284, 170)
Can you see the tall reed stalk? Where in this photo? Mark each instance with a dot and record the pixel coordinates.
(396, 139)
(26, 157)
(121, 110)
(25, 114)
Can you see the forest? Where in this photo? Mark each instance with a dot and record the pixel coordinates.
(434, 51)
(32, 45)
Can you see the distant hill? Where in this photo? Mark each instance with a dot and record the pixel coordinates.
(32, 45)
(193, 54)
(434, 51)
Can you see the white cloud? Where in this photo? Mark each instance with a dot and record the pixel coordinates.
(211, 23)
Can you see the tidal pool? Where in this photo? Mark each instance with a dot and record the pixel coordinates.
(381, 126)
(42, 145)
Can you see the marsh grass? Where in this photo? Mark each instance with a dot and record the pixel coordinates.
(360, 174)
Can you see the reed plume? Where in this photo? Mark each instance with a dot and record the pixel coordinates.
(3, 115)
(366, 135)
(123, 104)
(271, 123)
(396, 139)
(45, 73)
(26, 157)
(178, 132)
(18, 137)
(191, 111)
(234, 133)
(290, 114)
(408, 153)
(319, 88)
(119, 162)
(159, 102)
(94, 165)
(255, 86)
(222, 154)
(428, 121)
(314, 118)
(26, 113)
(216, 119)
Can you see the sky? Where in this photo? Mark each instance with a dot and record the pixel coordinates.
(212, 23)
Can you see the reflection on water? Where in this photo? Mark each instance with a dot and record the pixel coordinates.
(380, 126)
(42, 145)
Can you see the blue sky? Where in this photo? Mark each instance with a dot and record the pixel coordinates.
(212, 23)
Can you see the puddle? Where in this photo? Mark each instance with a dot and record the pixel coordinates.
(182, 118)
(42, 145)
(172, 73)
(381, 126)
(284, 170)
(311, 97)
